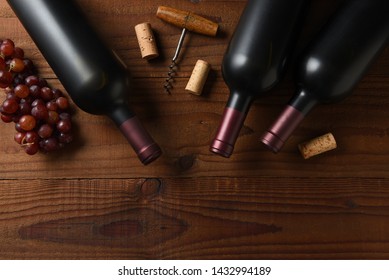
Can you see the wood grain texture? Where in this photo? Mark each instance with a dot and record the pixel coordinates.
(95, 200)
(200, 218)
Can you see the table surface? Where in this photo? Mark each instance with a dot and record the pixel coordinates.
(95, 200)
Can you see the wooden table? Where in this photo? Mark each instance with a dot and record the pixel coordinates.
(95, 200)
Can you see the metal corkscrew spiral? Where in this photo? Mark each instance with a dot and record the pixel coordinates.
(169, 79)
(189, 22)
(172, 67)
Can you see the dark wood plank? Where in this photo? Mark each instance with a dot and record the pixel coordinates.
(221, 218)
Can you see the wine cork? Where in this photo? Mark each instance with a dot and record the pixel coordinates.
(199, 77)
(317, 146)
(146, 40)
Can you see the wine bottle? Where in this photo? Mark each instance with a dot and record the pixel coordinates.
(333, 63)
(255, 61)
(91, 73)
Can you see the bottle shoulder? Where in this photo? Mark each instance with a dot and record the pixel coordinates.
(101, 91)
(324, 79)
(243, 73)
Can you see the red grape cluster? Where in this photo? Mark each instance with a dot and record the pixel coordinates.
(41, 114)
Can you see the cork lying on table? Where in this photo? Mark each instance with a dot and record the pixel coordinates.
(317, 146)
(198, 78)
(146, 40)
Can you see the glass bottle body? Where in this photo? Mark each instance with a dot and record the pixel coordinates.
(255, 61)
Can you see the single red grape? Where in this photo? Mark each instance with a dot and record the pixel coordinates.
(46, 93)
(7, 48)
(27, 122)
(45, 131)
(31, 149)
(22, 91)
(10, 105)
(62, 103)
(64, 126)
(16, 65)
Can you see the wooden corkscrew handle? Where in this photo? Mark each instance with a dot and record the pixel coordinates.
(187, 20)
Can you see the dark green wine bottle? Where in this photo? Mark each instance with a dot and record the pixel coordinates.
(333, 63)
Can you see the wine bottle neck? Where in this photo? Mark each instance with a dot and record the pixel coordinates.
(240, 101)
(289, 119)
(140, 140)
(229, 128)
(303, 101)
(120, 114)
(232, 121)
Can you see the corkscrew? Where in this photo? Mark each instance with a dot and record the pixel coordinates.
(188, 21)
